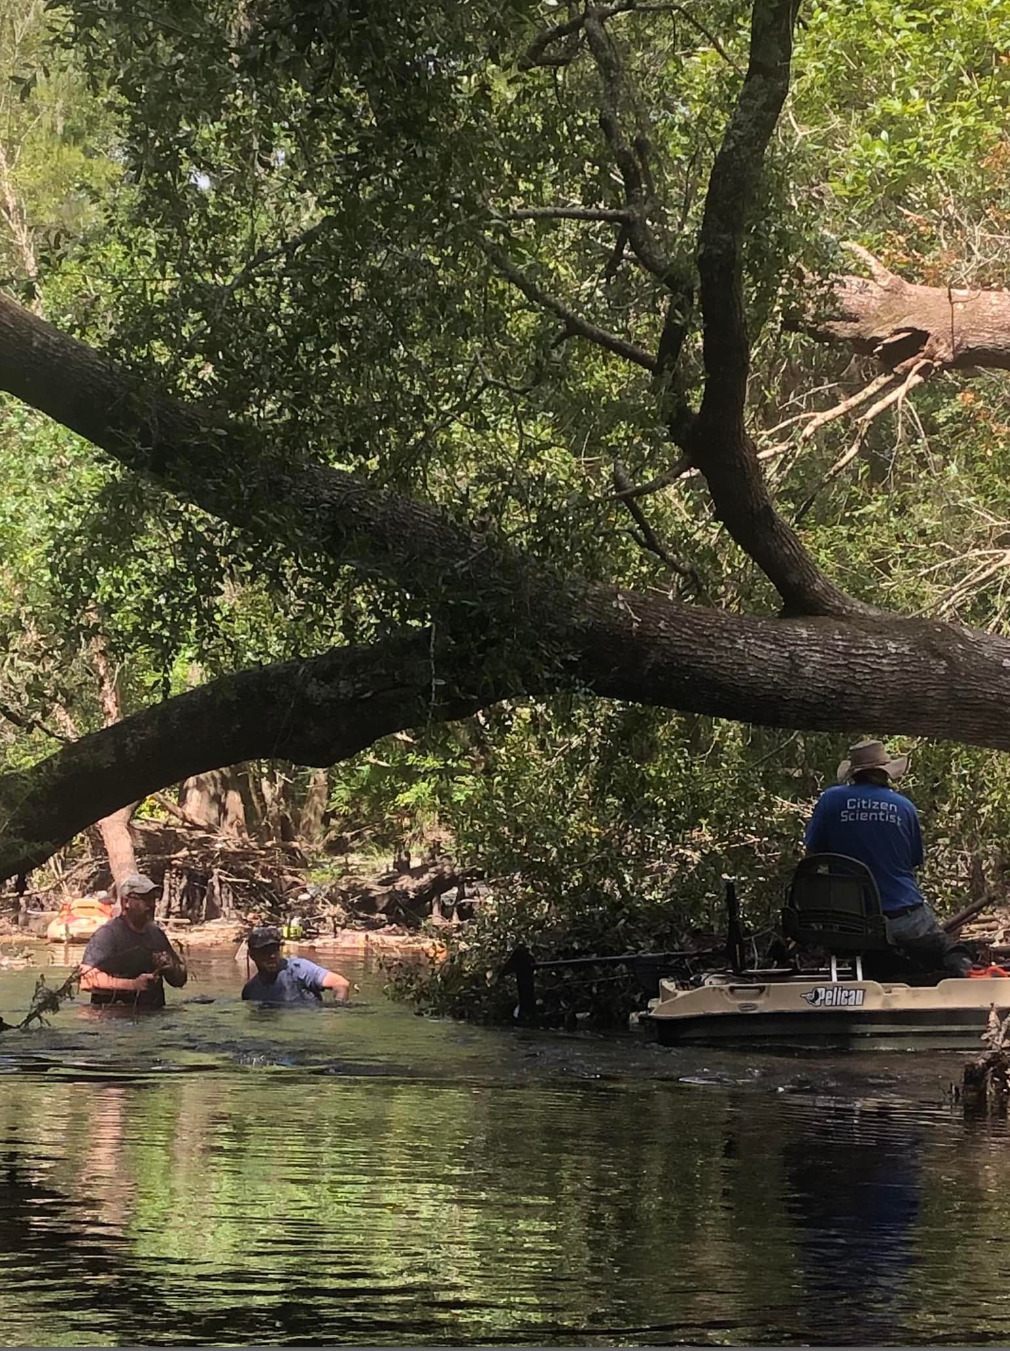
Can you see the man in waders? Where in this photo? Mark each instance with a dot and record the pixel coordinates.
(288, 980)
(129, 957)
(864, 818)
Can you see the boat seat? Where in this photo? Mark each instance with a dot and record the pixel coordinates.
(833, 903)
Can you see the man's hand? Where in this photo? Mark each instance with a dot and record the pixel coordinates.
(146, 981)
(172, 967)
(340, 986)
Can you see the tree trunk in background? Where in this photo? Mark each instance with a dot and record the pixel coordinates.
(313, 813)
(214, 799)
(274, 785)
(115, 828)
(118, 843)
(15, 217)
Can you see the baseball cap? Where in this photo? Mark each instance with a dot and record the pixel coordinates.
(135, 884)
(264, 936)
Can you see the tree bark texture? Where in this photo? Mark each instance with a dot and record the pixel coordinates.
(214, 801)
(115, 828)
(115, 831)
(314, 805)
(900, 322)
(816, 673)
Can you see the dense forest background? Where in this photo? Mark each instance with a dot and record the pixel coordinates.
(453, 252)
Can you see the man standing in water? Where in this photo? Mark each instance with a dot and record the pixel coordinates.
(129, 957)
(867, 820)
(288, 980)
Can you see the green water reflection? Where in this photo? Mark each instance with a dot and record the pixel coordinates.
(229, 1175)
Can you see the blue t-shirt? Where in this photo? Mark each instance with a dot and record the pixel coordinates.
(877, 826)
(298, 981)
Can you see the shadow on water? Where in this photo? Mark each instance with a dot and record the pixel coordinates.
(221, 1174)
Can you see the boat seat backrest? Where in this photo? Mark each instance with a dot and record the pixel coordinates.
(833, 903)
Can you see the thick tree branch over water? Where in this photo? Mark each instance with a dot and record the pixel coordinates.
(818, 673)
(313, 712)
(231, 471)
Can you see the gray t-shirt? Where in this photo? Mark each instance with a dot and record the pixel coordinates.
(118, 950)
(298, 981)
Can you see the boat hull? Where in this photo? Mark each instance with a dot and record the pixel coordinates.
(72, 931)
(822, 1015)
(79, 921)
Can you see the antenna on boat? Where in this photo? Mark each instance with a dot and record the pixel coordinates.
(734, 930)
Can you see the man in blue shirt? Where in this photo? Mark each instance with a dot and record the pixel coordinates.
(288, 980)
(864, 818)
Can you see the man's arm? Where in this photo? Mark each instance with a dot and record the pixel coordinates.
(813, 840)
(100, 954)
(94, 978)
(316, 978)
(340, 986)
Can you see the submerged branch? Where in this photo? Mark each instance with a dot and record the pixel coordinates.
(46, 1000)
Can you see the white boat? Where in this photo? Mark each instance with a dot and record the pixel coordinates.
(816, 1012)
(851, 1001)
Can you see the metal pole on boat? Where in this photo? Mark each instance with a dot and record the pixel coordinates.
(523, 966)
(734, 931)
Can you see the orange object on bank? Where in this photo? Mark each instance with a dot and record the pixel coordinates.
(79, 919)
(984, 972)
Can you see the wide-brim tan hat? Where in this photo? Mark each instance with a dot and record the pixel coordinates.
(871, 755)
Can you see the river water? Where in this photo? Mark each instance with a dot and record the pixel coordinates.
(223, 1174)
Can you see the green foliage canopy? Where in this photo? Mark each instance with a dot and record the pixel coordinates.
(296, 205)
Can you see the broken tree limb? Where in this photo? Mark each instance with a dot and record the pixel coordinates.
(953, 327)
(819, 420)
(916, 376)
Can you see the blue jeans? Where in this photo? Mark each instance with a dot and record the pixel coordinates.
(918, 934)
